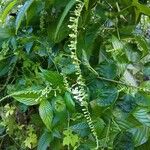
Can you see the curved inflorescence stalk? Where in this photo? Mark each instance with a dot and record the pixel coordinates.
(79, 88)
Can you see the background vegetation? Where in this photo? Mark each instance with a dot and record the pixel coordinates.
(74, 74)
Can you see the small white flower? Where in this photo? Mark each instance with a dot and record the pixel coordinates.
(19, 6)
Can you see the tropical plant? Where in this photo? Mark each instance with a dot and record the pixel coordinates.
(74, 74)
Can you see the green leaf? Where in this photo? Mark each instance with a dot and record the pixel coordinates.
(28, 97)
(107, 69)
(53, 77)
(31, 140)
(124, 124)
(123, 141)
(85, 58)
(107, 96)
(117, 44)
(127, 30)
(128, 104)
(69, 102)
(2, 129)
(81, 128)
(70, 138)
(44, 141)
(145, 85)
(87, 41)
(142, 99)
(46, 113)
(65, 12)
(59, 104)
(3, 67)
(99, 126)
(142, 45)
(33, 12)
(86, 2)
(140, 132)
(142, 8)
(146, 71)
(129, 78)
(144, 146)
(5, 33)
(8, 9)
(68, 69)
(22, 13)
(142, 115)
(117, 51)
(61, 35)
(140, 135)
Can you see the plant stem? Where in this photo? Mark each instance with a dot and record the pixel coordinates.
(115, 81)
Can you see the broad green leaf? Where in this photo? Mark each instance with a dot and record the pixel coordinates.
(142, 99)
(85, 58)
(137, 14)
(117, 51)
(99, 125)
(44, 141)
(81, 128)
(59, 104)
(145, 85)
(144, 146)
(87, 41)
(140, 132)
(132, 54)
(69, 102)
(52, 77)
(68, 69)
(31, 140)
(65, 12)
(128, 104)
(5, 33)
(129, 78)
(146, 71)
(142, 45)
(127, 30)
(124, 124)
(22, 13)
(107, 96)
(123, 141)
(8, 9)
(61, 35)
(117, 44)
(70, 138)
(46, 113)
(142, 115)
(142, 8)
(27, 97)
(34, 11)
(107, 69)
(140, 135)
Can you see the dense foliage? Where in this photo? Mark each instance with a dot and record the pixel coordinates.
(74, 74)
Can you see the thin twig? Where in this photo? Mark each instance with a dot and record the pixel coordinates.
(115, 81)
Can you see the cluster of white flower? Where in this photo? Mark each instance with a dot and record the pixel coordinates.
(79, 93)
(78, 90)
